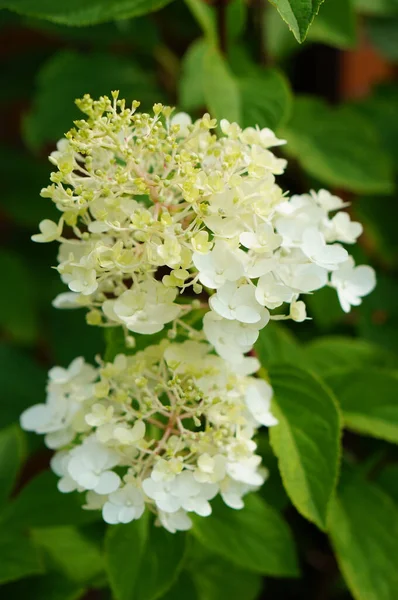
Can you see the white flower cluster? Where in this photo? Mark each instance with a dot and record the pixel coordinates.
(167, 428)
(161, 216)
(157, 208)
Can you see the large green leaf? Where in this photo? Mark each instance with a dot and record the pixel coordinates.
(218, 579)
(221, 90)
(363, 526)
(298, 14)
(306, 441)
(255, 538)
(182, 589)
(22, 383)
(69, 75)
(265, 99)
(369, 400)
(388, 481)
(339, 147)
(143, 561)
(40, 504)
(331, 353)
(335, 24)
(89, 12)
(12, 448)
(276, 344)
(70, 552)
(18, 556)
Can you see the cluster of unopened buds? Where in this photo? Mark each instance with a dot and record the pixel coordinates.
(162, 217)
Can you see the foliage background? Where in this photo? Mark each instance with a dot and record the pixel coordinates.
(238, 60)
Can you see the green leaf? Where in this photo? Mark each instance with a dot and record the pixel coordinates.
(381, 107)
(387, 480)
(383, 34)
(183, 589)
(328, 354)
(255, 538)
(12, 448)
(298, 14)
(204, 14)
(143, 561)
(377, 7)
(276, 344)
(218, 579)
(70, 552)
(221, 90)
(40, 504)
(335, 24)
(53, 586)
(20, 198)
(17, 299)
(77, 13)
(339, 147)
(266, 99)
(18, 556)
(306, 441)
(369, 401)
(22, 383)
(363, 527)
(69, 75)
(191, 93)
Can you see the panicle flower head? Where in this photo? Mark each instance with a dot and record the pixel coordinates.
(167, 429)
(155, 206)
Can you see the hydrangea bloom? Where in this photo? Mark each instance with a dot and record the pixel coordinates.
(154, 206)
(160, 216)
(167, 428)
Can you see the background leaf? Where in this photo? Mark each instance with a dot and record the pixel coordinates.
(363, 527)
(74, 12)
(338, 146)
(255, 538)
(306, 440)
(143, 561)
(368, 399)
(69, 75)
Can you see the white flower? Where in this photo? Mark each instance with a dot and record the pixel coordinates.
(67, 300)
(231, 339)
(183, 120)
(298, 311)
(182, 492)
(82, 278)
(342, 229)
(49, 231)
(327, 201)
(237, 303)
(211, 469)
(271, 293)
(177, 521)
(90, 467)
(326, 256)
(124, 505)
(218, 266)
(258, 401)
(232, 492)
(145, 309)
(262, 239)
(352, 283)
(245, 471)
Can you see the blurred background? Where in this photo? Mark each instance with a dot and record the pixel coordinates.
(333, 97)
